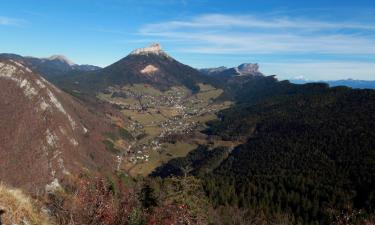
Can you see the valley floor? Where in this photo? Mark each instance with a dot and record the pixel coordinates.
(160, 126)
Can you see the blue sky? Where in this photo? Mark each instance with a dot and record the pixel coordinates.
(310, 39)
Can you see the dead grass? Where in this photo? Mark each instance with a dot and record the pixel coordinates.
(20, 209)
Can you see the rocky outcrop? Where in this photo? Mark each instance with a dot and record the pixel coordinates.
(45, 133)
(152, 49)
(246, 69)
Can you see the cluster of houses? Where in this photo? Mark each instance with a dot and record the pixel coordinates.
(182, 123)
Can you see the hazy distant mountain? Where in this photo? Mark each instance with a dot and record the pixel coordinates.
(50, 67)
(45, 133)
(362, 84)
(149, 65)
(246, 69)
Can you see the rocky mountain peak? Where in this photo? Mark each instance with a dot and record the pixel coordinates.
(245, 69)
(61, 58)
(248, 69)
(155, 49)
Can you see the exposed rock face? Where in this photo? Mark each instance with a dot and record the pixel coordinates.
(150, 69)
(150, 65)
(45, 134)
(152, 49)
(246, 69)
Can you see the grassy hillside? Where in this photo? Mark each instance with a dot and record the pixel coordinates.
(20, 209)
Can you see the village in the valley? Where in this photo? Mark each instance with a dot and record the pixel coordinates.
(159, 125)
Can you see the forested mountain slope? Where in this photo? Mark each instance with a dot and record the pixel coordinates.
(309, 154)
(149, 65)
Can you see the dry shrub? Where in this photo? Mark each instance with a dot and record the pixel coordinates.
(20, 209)
(92, 202)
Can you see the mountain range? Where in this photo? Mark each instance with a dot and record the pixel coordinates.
(50, 67)
(362, 84)
(150, 140)
(150, 65)
(246, 69)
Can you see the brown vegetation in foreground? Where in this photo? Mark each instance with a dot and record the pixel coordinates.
(20, 209)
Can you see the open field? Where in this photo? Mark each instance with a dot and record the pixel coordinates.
(155, 117)
(156, 159)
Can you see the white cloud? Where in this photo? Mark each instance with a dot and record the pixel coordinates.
(231, 34)
(222, 21)
(300, 77)
(298, 38)
(6, 21)
(330, 70)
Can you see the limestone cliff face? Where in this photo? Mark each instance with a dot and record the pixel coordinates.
(45, 134)
(246, 69)
(152, 49)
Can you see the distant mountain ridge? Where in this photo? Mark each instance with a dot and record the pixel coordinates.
(245, 69)
(361, 84)
(50, 67)
(60, 58)
(150, 65)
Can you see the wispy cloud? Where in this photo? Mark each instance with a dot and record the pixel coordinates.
(249, 21)
(6, 21)
(234, 34)
(321, 70)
